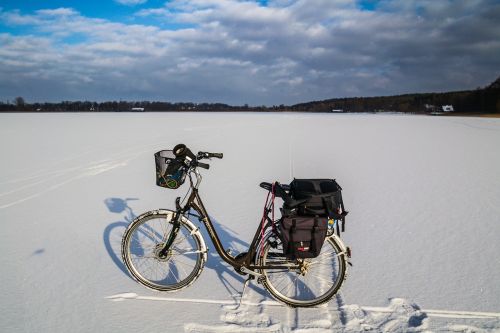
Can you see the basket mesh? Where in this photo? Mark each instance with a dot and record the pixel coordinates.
(170, 172)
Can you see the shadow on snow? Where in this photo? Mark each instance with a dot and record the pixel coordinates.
(113, 233)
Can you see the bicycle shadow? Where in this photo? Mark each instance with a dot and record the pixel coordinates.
(229, 239)
(112, 235)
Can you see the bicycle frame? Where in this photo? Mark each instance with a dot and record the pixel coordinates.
(242, 263)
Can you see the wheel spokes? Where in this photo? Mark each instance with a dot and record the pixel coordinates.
(180, 264)
(315, 280)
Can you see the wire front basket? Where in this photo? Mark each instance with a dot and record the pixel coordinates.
(170, 172)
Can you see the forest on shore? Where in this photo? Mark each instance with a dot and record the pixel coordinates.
(478, 101)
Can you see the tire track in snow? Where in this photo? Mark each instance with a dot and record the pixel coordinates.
(431, 313)
(50, 171)
(90, 171)
(247, 315)
(252, 315)
(59, 178)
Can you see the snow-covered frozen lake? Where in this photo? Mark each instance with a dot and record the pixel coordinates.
(424, 222)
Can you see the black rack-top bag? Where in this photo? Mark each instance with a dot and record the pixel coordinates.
(303, 236)
(323, 197)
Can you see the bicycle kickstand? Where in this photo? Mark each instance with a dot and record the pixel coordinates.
(245, 286)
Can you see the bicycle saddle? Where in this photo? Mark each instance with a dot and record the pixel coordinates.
(280, 190)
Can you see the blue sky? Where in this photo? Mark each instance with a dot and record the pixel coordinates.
(113, 10)
(237, 52)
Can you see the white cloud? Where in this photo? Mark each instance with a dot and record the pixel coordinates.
(131, 2)
(240, 52)
(57, 12)
(155, 11)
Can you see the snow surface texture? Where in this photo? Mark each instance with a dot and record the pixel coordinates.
(423, 195)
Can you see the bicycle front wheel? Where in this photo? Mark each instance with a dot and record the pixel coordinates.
(316, 280)
(144, 239)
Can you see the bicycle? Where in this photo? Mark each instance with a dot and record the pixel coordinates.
(163, 250)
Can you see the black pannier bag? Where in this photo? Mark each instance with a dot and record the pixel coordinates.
(303, 237)
(312, 205)
(323, 197)
(170, 172)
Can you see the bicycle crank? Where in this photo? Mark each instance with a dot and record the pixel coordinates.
(304, 267)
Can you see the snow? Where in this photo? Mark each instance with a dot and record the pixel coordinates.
(423, 195)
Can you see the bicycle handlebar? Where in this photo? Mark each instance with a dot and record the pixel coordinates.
(203, 165)
(203, 154)
(184, 154)
(216, 155)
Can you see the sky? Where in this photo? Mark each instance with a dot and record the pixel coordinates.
(244, 52)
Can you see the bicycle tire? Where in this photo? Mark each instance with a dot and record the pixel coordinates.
(142, 241)
(323, 279)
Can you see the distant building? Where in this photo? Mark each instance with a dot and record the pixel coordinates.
(337, 110)
(137, 109)
(447, 108)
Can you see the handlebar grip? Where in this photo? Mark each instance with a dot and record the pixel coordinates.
(203, 165)
(216, 155)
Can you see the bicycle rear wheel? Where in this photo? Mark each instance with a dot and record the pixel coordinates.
(317, 282)
(144, 239)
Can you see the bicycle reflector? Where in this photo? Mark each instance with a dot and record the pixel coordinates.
(170, 172)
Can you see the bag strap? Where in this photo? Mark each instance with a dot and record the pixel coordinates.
(333, 213)
(293, 230)
(328, 204)
(314, 232)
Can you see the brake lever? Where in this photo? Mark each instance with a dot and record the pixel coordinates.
(202, 155)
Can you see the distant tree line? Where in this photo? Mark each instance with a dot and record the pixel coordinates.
(481, 100)
(117, 106)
